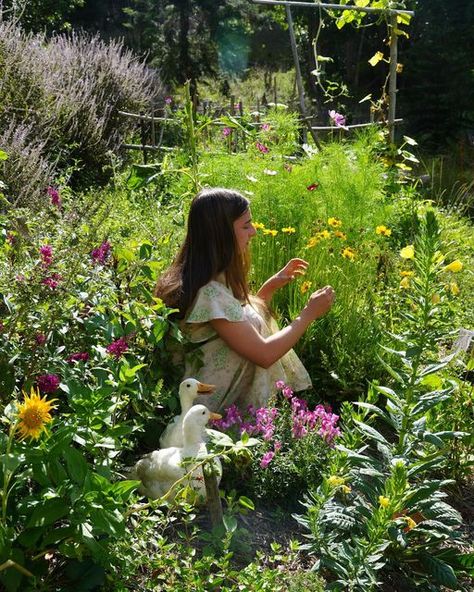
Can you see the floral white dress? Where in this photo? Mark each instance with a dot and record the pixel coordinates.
(212, 361)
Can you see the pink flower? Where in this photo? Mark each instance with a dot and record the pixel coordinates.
(100, 254)
(312, 187)
(338, 119)
(78, 357)
(277, 446)
(46, 253)
(118, 347)
(168, 100)
(52, 281)
(287, 392)
(48, 383)
(261, 147)
(11, 238)
(40, 339)
(226, 132)
(54, 196)
(266, 459)
(280, 384)
(266, 127)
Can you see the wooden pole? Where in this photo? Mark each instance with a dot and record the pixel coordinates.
(337, 7)
(299, 81)
(214, 503)
(392, 84)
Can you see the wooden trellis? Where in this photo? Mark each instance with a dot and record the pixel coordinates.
(393, 13)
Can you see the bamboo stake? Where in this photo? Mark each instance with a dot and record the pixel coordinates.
(392, 85)
(337, 7)
(299, 81)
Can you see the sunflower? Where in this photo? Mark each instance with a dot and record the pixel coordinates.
(33, 414)
(349, 253)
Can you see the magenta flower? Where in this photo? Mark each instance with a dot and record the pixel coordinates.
(118, 347)
(267, 459)
(226, 132)
(48, 383)
(337, 119)
(168, 100)
(266, 127)
(77, 357)
(11, 238)
(46, 253)
(52, 281)
(277, 446)
(54, 196)
(287, 392)
(100, 254)
(40, 339)
(312, 187)
(280, 384)
(261, 148)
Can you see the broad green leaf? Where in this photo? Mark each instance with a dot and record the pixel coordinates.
(77, 466)
(376, 58)
(3, 155)
(440, 572)
(48, 511)
(246, 502)
(230, 523)
(371, 432)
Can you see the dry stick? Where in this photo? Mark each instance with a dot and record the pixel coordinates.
(392, 86)
(10, 563)
(214, 503)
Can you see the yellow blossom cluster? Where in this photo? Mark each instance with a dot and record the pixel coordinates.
(34, 414)
(383, 230)
(305, 286)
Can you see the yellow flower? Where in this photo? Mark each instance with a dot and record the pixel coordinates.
(410, 523)
(268, 231)
(346, 489)
(258, 225)
(384, 501)
(405, 283)
(405, 273)
(33, 414)
(408, 252)
(348, 253)
(288, 230)
(339, 234)
(454, 266)
(305, 286)
(335, 481)
(324, 234)
(383, 230)
(435, 298)
(334, 222)
(454, 288)
(313, 241)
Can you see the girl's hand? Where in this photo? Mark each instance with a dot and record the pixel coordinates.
(294, 268)
(319, 303)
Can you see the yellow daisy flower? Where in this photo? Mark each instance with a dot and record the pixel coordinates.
(349, 253)
(313, 241)
(408, 252)
(269, 231)
(334, 222)
(405, 283)
(324, 234)
(454, 266)
(384, 501)
(339, 234)
(454, 288)
(33, 414)
(383, 230)
(346, 489)
(406, 273)
(335, 481)
(258, 225)
(305, 286)
(288, 230)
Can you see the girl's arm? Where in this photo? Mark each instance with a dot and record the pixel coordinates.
(245, 340)
(292, 269)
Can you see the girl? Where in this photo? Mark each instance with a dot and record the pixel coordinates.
(240, 348)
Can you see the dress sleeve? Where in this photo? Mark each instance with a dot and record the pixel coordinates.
(215, 301)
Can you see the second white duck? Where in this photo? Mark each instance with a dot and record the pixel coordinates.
(189, 389)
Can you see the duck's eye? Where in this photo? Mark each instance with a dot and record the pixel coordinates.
(204, 413)
(188, 385)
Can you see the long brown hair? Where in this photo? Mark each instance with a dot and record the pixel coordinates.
(210, 248)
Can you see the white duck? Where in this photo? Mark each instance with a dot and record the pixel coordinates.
(159, 470)
(189, 389)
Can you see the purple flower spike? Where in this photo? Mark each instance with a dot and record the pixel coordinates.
(226, 132)
(46, 253)
(54, 196)
(262, 148)
(100, 254)
(266, 459)
(118, 347)
(338, 119)
(48, 383)
(78, 357)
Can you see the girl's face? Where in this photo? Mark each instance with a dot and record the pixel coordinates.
(244, 230)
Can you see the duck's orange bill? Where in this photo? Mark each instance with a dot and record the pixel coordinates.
(214, 416)
(206, 389)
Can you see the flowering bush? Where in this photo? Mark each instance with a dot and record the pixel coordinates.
(295, 442)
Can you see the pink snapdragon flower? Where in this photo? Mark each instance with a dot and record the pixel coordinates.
(226, 132)
(337, 118)
(52, 281)
(266, 127)
(262, 148)
(48, 383)
(267, 459)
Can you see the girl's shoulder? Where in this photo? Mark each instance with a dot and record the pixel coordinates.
(215, 301)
